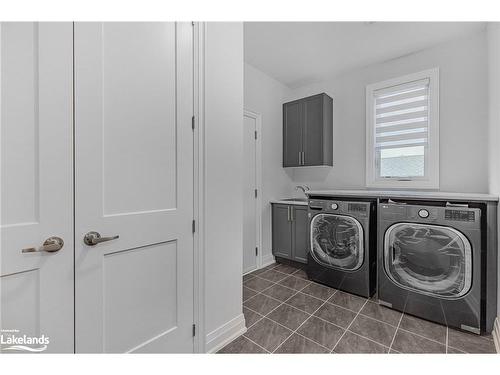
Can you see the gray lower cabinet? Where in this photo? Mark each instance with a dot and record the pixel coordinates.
(308, 132)
(282, 231)
(290, 232)
(300, 233)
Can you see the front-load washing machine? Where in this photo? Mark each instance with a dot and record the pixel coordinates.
(431, 262)
(342, 247)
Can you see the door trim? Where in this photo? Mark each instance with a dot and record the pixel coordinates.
(258, 181)
(199, 42)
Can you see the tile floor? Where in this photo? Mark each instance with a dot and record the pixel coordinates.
(287, 313)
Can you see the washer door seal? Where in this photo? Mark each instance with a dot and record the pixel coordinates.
(337, 241)
(428, 259)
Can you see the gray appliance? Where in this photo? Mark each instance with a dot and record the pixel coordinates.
(432, 262)
(342, 252)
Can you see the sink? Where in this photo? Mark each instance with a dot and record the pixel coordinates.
(295, 200)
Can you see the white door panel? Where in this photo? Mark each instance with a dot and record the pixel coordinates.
(250, 234)
(36, 180)
(134, 178)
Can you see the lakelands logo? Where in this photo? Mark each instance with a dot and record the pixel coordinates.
(12, 340)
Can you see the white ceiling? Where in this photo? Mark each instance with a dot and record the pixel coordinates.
(300, 53)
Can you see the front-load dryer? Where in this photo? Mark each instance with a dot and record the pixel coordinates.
(429, 262)
(342, 252)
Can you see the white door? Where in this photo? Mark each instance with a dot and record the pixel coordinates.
(250, 193)
(36, 185)
(134, 179)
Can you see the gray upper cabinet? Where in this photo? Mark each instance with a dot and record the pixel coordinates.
(308, 132)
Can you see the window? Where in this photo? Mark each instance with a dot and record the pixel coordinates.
(402, 128)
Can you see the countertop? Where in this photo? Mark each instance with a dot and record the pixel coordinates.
(428, 195)
(289, 201)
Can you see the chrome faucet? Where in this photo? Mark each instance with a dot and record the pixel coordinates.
(304, 188)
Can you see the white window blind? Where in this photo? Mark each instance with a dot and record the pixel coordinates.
(402, 116)
(402, 131)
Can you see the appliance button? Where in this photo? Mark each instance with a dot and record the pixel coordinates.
(334, 206)
(423, 214)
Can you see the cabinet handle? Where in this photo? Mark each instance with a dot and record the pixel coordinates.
(300, 158)
(303, 158)
(291, 213)
(288, 213)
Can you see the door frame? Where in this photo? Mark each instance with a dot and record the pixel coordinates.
(199, 39)
(258, 181)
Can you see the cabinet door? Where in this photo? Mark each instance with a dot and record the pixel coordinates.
(300, 233)
(313, 130)
(282, 231)
(292, 133)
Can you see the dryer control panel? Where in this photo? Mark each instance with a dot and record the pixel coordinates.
(338, 206)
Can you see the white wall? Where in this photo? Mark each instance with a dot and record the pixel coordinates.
(265, 95)
(223, 182)
(494, 118)
(463, 116)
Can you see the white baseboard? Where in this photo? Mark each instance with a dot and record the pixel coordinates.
(496, 334)
(226, 333)
(267, 260)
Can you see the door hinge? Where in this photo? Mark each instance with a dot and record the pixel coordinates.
(194, 226)
(256, 134)
(255, 193)
(192, 122)
(194, 330)
(256, 251)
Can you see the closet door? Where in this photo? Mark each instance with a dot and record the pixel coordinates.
(36, 284)
(134, 187)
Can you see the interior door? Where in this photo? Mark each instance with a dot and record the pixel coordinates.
(36, 286)
(250, 231)
(134, 187)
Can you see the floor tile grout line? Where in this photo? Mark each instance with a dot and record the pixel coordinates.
(304, 322)
(343, 307)
(274, 283)
(318, 317)
(349, 326)
(267, 351)
(261, 292)
(421, 336)
(369, 339)
(266, 317)
(446, 344)
(396, 331)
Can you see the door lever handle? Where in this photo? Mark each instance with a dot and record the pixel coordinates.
(51, 245)
(94, 238)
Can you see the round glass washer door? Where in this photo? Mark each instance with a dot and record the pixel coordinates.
(429, 259)
(337, 241)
